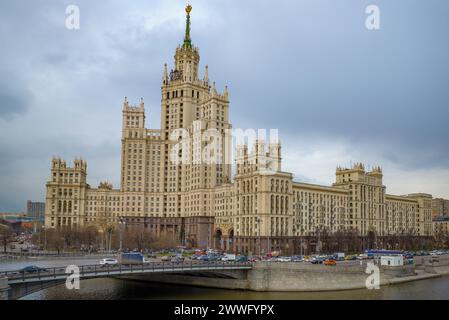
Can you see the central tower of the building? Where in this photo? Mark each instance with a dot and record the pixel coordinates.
(191, 109)
(182, 90)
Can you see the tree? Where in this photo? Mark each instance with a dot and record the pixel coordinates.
(6, 234)
(55, 240)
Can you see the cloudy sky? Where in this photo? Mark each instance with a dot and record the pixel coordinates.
(338, 92)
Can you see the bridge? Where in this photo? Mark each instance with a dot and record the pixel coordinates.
(20, 284)
(48, 254)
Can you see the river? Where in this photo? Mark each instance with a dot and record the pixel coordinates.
(118, 289)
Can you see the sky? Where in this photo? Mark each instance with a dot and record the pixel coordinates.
(337, 92)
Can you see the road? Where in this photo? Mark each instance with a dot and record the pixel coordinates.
(49, 262)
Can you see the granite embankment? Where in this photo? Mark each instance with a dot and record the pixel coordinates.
(270, 276)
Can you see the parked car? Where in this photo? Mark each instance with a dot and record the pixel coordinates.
(340, 256)
(177, 259)
(316, 260)
(214, 257)
(166, 258)
(330, 262)
(108, 262)
(203, 258)
(297, 259)
(228, 257)
(241, 259)
(254, 258)
(284, 259)
(151, 255)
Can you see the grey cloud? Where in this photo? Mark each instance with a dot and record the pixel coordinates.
(309, 68)
(12, 101)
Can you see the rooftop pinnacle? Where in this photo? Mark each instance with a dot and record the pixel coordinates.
(187, 40)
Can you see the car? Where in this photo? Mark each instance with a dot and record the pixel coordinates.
(166, 258)
(203, 258)
(297, 259)
(254, 258)
(177, 259)
(32, 269)
(214, 257)
(228, 257)
(151, 255)
(284, 259)
(108, 262)
(330, 262)
(316, 260)
(241, 259)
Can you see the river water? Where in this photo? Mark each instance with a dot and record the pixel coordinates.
(118, 289)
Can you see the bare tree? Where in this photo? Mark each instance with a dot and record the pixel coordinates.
(55, 240)
(6, 234)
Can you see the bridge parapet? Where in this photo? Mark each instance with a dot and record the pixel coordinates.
(4, 288)
(22, 283)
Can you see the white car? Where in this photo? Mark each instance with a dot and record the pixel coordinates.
(228, 257)
(108, 262)
(284, 259)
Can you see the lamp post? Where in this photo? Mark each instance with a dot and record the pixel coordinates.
(298, 207)
(319, 227)
(122, 223)
(258, 220)
(45, 237)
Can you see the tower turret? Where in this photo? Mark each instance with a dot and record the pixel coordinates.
(206, 76)
(165, 76)
(187, 57)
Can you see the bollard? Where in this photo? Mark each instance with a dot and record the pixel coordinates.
(4, 288)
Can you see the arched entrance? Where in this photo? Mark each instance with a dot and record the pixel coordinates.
(218, 236)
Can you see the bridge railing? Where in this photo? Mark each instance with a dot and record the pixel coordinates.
(106, 270)
(51, 254)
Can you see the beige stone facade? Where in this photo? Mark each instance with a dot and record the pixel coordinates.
(441, 227)
(440, 207)
(164, 179)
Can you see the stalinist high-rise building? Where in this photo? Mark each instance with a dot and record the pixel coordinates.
(174, 182)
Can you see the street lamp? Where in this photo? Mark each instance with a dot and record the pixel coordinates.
(298, 224)
(122, 222)
(320, 226)
(258, 220)
(45, 237)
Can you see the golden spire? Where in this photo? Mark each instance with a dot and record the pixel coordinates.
(187, 40)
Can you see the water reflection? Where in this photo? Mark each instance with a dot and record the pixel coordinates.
(118, 289)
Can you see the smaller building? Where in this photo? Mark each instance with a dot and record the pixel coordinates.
(36, 211)
(441, 226)
(440, 207)
(392, 260)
